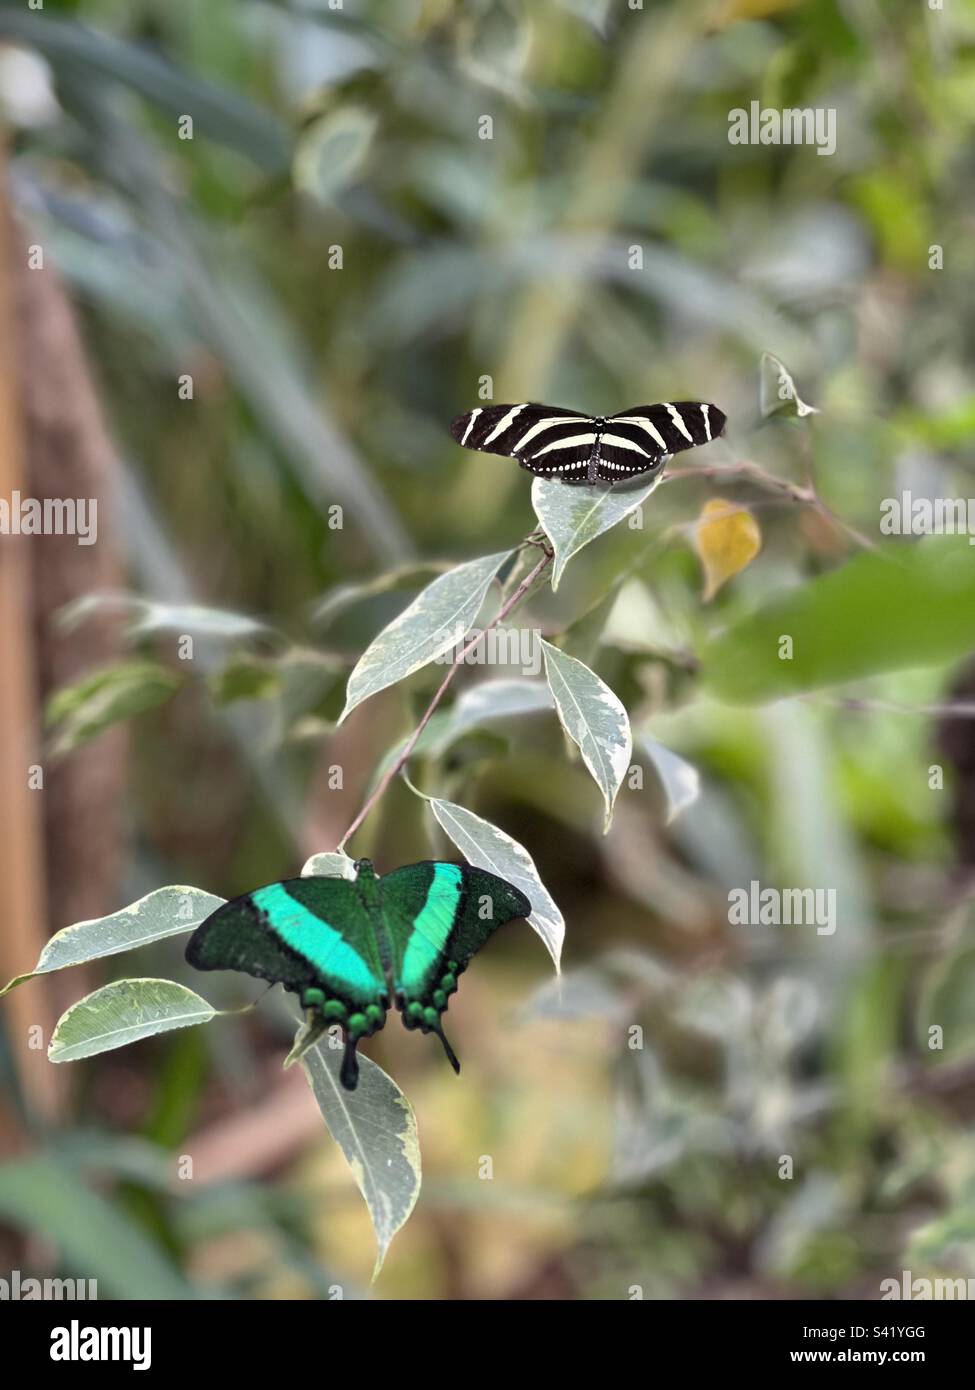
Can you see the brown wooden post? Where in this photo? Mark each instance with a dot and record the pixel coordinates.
(28, 1010)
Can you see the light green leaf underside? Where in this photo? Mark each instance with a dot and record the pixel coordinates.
(571, 517)
(680, 781)
(307, 1036)
(164, 912)
(487, 847)
(337, 600)
(106, 696)
(375, 1128)
(947, 1001)
(505, 698)
(329, 865)
(594, 718)
(331, 151)
(150, 616)
(125, 1012)
(436, 619)
(777, 390)
(490, 700)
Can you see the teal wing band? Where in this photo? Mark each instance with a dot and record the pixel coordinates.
(437, 917)
(298, 931)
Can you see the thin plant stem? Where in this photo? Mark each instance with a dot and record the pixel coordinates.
(796, 492)
(506, 608)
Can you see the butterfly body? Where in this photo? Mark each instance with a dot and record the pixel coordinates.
(553, 442)
(352, 949)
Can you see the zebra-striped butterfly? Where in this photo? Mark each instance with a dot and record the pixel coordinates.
(577, 448)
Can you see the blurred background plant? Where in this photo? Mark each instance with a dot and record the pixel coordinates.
(279, 316)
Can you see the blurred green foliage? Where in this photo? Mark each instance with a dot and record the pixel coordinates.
(316, 386)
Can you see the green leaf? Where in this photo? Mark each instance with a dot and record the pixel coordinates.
(164, 912)
(594, 718)
(244, 677)
(306, 678)
(487, 847)
(435, 620)
(44, 1198)
(571, 517)
(948, 1236)
(375, 1128)
(948, 1002)
(125, 1012)
(332, 150)
(87, 55)
(104, 697)
(680, 781)
(777, 394)
(886, 610)
(505, 698)
(337, 600)
(150, 617)
(583, 637)
(307, 1036)
(493, 47)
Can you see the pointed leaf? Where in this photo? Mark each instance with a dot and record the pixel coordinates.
(505, 698)
(337, 600)
(106, 696)
(161, 913)
(727, 538)
(150, 616)
(122, 1013)
(332, 150)
(777, 392)
(435, 620)
(594, 718)
(680, 781)
(947, 1001)
(487, 847)
(307, 1036)
(571, 517)
(375, 1127)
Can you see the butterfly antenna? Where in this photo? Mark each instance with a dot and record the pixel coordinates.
(451, 1058)
(349, 1075)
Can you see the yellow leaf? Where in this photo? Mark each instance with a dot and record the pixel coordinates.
(727, 538)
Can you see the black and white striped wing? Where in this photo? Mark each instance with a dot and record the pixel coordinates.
(638, 439)
(545, 439)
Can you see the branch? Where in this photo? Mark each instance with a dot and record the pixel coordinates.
(507, 607)
(746, 471)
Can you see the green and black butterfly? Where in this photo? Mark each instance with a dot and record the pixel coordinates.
(347, 947)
